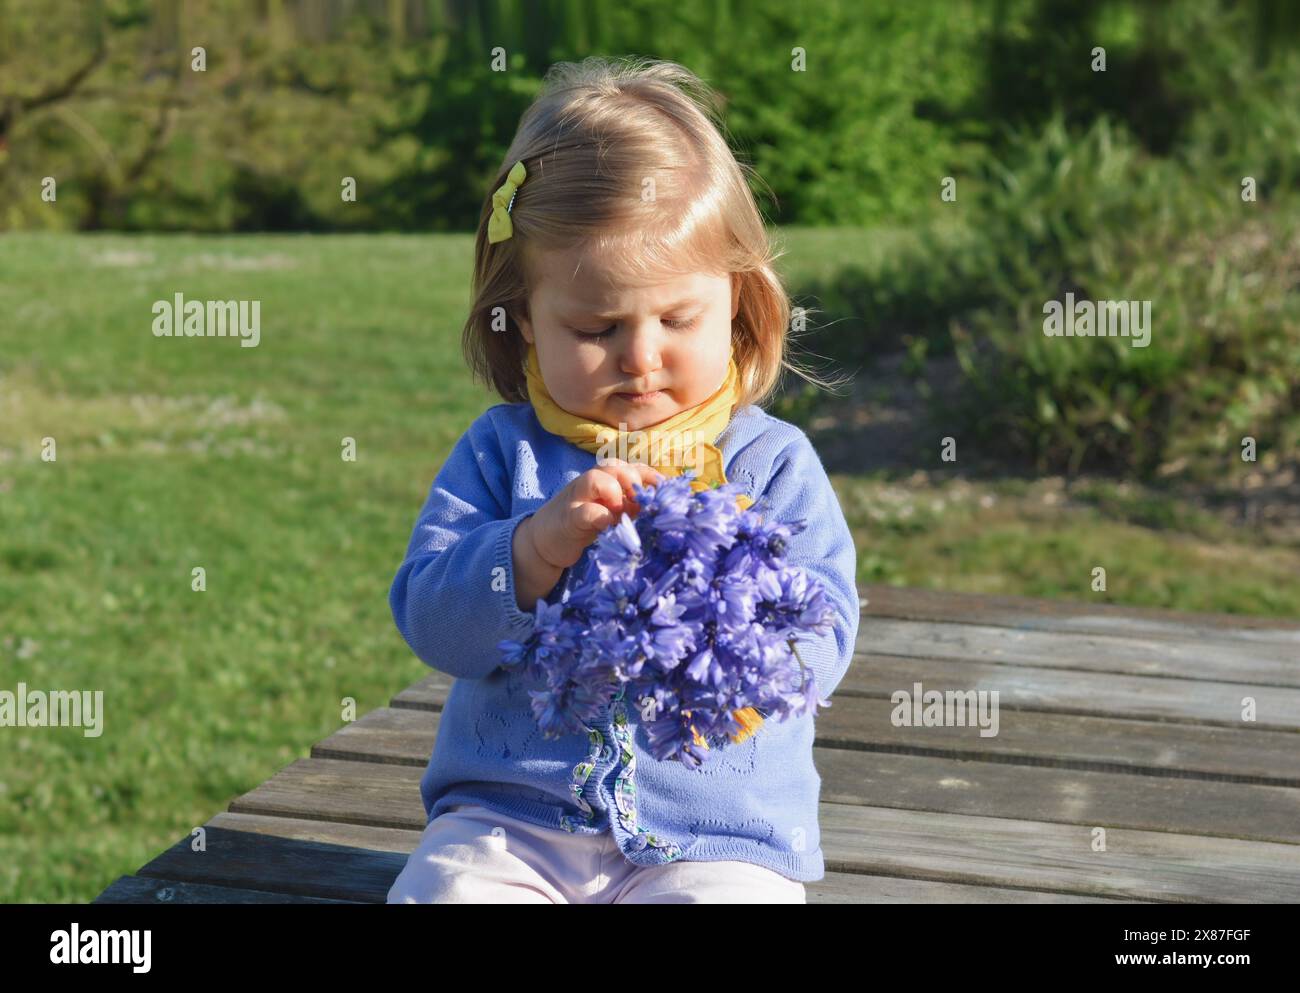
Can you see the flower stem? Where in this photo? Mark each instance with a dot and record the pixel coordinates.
(803, 673)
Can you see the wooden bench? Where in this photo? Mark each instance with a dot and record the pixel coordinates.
(1111, 718)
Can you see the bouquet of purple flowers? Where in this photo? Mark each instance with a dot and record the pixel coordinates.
(692, 612)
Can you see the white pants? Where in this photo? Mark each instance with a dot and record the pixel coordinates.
(470, 854)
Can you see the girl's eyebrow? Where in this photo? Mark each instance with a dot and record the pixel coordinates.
(609, 314)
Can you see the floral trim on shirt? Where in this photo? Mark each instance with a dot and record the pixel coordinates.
(624, 785)
(581, 772)
(625, 788)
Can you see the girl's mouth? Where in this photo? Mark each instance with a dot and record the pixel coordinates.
(640, 398)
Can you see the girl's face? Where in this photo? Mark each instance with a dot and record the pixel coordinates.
(597, 342)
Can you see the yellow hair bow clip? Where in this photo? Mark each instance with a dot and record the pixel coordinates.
(499, 226)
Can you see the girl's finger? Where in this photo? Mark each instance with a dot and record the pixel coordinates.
(652, 474)
(599, 487)
(642, 474)
(626, 475)
(592, 517)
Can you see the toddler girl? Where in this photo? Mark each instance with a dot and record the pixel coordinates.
(626, 309)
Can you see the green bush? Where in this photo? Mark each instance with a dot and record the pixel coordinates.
(1095, 216)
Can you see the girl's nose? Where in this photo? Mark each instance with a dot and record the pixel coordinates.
(643, 351)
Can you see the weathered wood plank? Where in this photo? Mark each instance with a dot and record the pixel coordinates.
(1057, 691)
(366, 793)
(256, 861)
(1063, 796)
(429, 693)
(1079, 616)
(335, 833)
(835, 888)
(1097, 744)
(394, 735)
(404, 736)
(135, 889)
(855, 888)
(1095, 694)
(1149, 866)
(1262, 664)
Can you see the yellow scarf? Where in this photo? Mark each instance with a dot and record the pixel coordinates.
(673, 446)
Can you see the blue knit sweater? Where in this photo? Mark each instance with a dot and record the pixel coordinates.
(454, 598)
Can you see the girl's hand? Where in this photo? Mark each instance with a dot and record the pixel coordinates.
(570, 521)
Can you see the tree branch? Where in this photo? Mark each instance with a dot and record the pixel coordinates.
(65, 89)
(158, 136)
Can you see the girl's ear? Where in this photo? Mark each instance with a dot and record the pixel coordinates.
(735, 294)
(525, 325)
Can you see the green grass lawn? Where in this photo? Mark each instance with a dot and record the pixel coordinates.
(178, 453)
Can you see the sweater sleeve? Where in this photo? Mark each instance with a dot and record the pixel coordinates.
(453, 597)
(799, 489)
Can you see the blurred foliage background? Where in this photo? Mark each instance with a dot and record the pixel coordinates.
(1117, 184)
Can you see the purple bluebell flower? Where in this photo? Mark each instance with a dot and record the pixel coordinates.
(618, 555)
(693, 611)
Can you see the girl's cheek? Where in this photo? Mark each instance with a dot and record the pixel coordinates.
(595, 371)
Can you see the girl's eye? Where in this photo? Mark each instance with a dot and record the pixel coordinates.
(676, 325)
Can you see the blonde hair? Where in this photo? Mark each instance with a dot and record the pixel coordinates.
(599, 134)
